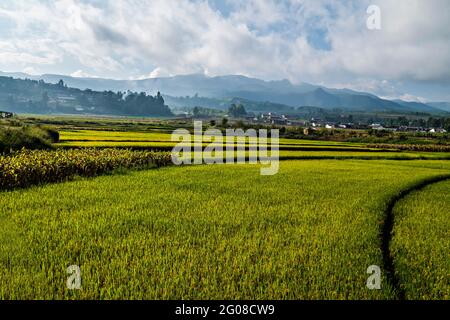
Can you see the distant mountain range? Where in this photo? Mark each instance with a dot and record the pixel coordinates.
(440, 105)
(223, 88)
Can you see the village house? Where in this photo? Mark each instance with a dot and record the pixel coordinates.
(411, 129)
(437, 130)
(5, 114)
(376, 126)
(273, 118)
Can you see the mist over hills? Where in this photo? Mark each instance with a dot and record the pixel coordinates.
(40, 97)
(440, 105)
(217, 91)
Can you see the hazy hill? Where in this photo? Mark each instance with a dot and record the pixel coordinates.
(224, 88)
(32, 96)
(441, 105)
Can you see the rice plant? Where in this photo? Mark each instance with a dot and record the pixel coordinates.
(206, 232)
(421, 242)
(25, 168)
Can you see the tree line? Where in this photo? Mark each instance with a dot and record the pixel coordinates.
(33, 96)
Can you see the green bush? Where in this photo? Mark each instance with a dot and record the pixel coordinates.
(18, 138)
(52, 134)
(29, 137)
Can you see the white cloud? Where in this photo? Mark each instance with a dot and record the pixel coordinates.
(411, 98)
(82, 74)
(257, 13)
(261, 38)
(30, 71)
(414, 42)
(156, 73)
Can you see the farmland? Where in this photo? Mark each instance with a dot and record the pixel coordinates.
(27, 168)
(224, 231)
(290, 149)
(158, 234)
(421, 242)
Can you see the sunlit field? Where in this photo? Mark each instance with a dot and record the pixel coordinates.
(225, 158)
(421, 242)
(127, 136)
(206, 232)
(217, 231)
(290, 149)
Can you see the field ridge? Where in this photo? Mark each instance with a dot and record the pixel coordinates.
(388, 259)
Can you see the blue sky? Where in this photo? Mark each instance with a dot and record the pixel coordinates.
(319, 41)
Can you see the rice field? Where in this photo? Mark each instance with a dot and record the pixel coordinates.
(97, 135)
(224, 231)
(206, 232)
(421, 242)
(80, 136)
(290, 149)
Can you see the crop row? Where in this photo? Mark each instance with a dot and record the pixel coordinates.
(151, 137)
(413, 147)
(421, 242)
(212, 232)
(25, 168)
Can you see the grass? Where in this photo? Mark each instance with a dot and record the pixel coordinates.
(205, 232)
(30, 137)
(421, 242)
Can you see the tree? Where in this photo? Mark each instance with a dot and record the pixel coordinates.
(159, 98)
(403, 121)
(447, 124)
(108, 102)
(45, 99)
(196, 112)
(224, 122)
(237, 111)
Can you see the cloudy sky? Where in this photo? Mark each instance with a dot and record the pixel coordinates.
(319, 41)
